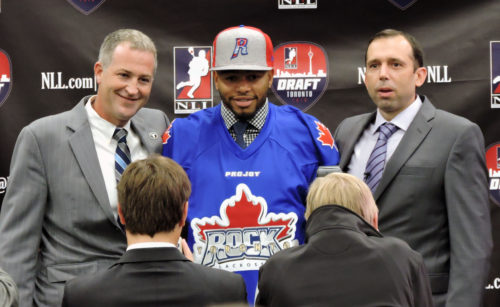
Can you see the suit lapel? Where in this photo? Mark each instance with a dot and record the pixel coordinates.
(82, 144)
(355, 130)
(149, 137)
(416, 133)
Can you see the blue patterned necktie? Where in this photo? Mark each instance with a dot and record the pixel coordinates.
(376, 161)
(122, 154)
(239, 129)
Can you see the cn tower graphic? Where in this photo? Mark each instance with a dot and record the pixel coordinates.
(300, 73)
(310, 54)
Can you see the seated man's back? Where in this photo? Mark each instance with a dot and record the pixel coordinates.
(155, 277)
(152, 206)
(346, 261)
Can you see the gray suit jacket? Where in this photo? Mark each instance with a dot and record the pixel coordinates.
(56, 221)
(434, 195)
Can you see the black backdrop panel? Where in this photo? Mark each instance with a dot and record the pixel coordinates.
(52, 44)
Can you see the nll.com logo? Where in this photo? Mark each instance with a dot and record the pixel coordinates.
(56, 81)
(495, 285)
(3, 184)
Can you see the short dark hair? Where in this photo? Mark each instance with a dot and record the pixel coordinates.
(418, 52)
(152, 193)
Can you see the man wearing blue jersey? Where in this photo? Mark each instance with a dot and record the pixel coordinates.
(250, 162)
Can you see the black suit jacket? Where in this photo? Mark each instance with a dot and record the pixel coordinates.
(345, 262)
(434, 195)
(155, 277)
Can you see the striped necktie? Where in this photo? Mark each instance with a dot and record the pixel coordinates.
(122, 154)
(376, 161)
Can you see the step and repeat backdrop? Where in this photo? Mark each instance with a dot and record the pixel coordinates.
(48, 49)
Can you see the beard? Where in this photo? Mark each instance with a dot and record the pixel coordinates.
(245, 116)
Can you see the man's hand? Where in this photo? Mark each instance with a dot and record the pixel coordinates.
(186, 251)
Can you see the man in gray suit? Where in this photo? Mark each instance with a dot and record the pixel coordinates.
(427, 172)
(58, 217)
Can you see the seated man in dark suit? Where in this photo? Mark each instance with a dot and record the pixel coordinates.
(345, 261)
(152, 196)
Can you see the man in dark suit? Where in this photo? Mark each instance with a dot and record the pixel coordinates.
(58, 217)
(153, 206)
(346, 261)
(427, 171)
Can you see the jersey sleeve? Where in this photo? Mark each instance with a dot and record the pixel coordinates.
(327, 151)
(173, 147)
(168, 141)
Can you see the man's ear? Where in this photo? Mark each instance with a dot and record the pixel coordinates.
(421, 76)
(271, 75)
(374, 221)
(184, 215)
(216, 80)
(98, 69)
(120, 215)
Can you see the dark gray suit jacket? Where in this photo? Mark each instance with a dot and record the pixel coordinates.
(155, 277)
(345, 262)
(434, 195)
(56, 221)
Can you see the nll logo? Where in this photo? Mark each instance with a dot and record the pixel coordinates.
(297, 4)
(403, 4)
(435, 74)
(86, 6)
(495, 74)
(192, 79)
(300, 73)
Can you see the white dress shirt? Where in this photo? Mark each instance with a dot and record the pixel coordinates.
(367, 141)
(105, 145)
(150, 245)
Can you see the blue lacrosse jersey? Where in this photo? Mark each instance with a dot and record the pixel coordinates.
(248, 204)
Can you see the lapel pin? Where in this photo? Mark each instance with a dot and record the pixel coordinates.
(153, 135)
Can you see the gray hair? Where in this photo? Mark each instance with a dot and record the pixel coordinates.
(137, 40)
(344, 190)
